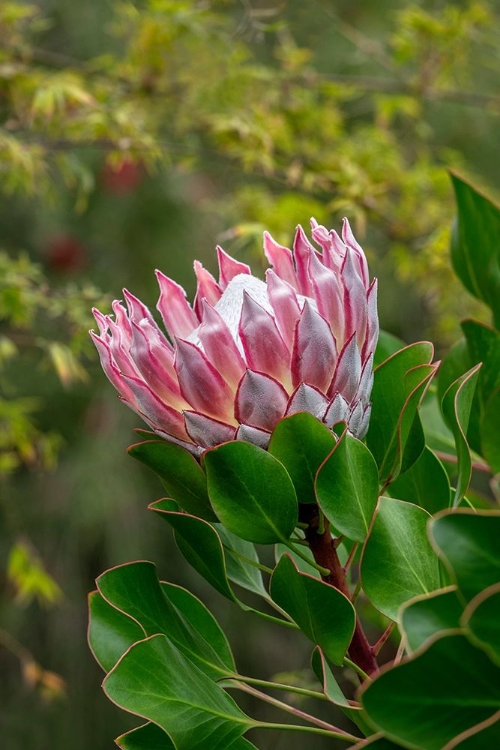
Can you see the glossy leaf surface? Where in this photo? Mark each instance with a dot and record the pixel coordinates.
(376, 741)
(333, 692)
(425, 484)
(251, 492)
(202, 545)
(180, 473)
(301, 442)
(347, 487)
(201, 621)
(111, 632)
(147, 737)
(475, 250)
(482, 620)
(323, 614)
(387, 345)
(399, 385)
(428, 700)
(490, 442)
(156, 681)
(468, 542)
(456, 406)
(398, 561)
(426, 616)
(135, 589)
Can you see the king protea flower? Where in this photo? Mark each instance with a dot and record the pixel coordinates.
(249, 352)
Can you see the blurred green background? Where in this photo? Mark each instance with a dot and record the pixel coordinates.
(136, 135)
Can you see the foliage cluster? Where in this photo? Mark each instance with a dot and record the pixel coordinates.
(269, 115)
(389, 528)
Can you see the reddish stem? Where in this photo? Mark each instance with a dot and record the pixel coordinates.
(325, 554)
(449, 458)
(377, 647)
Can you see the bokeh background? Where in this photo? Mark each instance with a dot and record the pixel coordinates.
(136, 135)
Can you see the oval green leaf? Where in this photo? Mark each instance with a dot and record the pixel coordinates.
(147, 737)
(489, 426)
(398, 562)
(395, 434)
(387, 345)
(426, 616)
(201, 620)
(251, 492)
(216, 555)
(110, 632)
(323, 614)
(180, 474)
(468, 542)
(482, 619)
(134, 588)
(475, 249)
(213, 552)
(347, 487)
(425, 484)
(433, 697)
(156, 681)
(301, 442)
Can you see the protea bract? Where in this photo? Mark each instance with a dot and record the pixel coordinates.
(249, 352)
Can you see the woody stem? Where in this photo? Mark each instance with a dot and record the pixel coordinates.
(325, 554)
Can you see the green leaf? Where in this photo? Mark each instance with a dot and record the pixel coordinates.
(398, 562)
(456, 406)
(482, 619)
(475, 246)
(425, 484)
(156, 681)
(301, 442)
(433, 697)
(377, 741)
(323, 614)
(483, 344)
(395, 433)
(151, 737)
(481, 737)
(201, 620)
(202, 546)
(251, 492)
(134, 588)
(147, 737)
(244, 574)
(468, 542)
(490, 432)
(426, 616)
(438, 436)
(111, 632)
(302, 565)
(347, 487)
(457, 361)
(180, 473)
(387, 345)
(333, 692)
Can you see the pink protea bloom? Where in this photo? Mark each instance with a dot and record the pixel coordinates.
(250, 352)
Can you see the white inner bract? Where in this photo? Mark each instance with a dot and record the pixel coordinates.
(230, 304)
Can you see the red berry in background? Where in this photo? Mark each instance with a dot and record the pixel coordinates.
(65, 253)
(122, 178)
